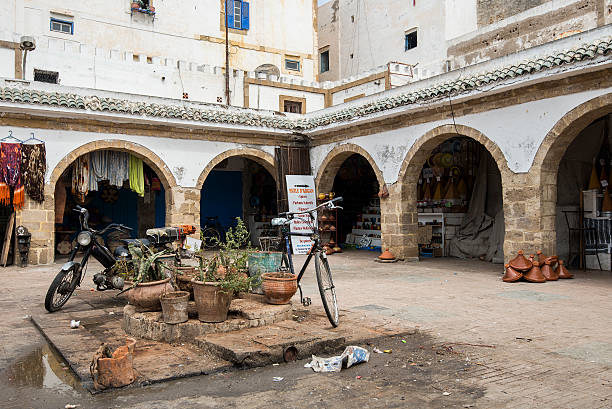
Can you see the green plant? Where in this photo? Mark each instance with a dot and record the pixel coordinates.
(229, 266)
(147, 264)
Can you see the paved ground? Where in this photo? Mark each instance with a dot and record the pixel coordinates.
(552, 345)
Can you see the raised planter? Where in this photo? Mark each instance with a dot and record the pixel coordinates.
(211, 301)
(279, 287)
(145, 296)
(174, 306)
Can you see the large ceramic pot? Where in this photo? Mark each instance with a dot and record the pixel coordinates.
(145, 296)
(183, 278)
(174, 307)
(212, 302)
(279, 287)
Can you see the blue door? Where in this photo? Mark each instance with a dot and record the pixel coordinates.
(222, 197)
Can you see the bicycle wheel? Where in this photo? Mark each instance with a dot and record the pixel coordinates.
(326, 288)
(211, 237)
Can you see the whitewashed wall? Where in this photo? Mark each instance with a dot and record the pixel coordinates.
(518, 130)
(265, 97)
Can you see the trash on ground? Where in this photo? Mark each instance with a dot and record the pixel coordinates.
(275, 364)
(403, 341)
(358, 377)
(74, 324)
(352, 355)
(378, 351)
(277, 378)
(69, 406)
(445, 393)
(388, 351)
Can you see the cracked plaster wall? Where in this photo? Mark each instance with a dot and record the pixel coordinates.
(517, 130)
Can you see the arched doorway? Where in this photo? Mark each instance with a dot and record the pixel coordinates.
(566, 159)
(239, 184)
(452, 191)
(65, 165)
(583, 198)
(116, 187)
(349, 171)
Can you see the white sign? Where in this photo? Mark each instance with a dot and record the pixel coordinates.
(193, 244)
(301, 195)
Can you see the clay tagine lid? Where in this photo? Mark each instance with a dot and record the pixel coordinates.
(535, 274)
(562, 271)
(386, 255)
(520, 263)
(541, 257)
(511, 275)
(548, 271)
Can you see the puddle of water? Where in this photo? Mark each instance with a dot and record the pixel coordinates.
(42, 368)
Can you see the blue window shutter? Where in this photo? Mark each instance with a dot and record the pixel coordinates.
(245, 15)
(229, 10)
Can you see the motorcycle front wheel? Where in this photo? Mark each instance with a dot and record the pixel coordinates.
(61, 289)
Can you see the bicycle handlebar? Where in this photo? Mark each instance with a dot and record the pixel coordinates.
(329, 203)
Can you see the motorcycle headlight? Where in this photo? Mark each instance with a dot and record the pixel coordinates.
(84, 238)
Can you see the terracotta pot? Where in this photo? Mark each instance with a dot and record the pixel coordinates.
(135, 5)
(279, 287)
(520, 263)
(183, 279)
(116, 371)
(174, 306)
(562, 271)
(211, 301)
(548, 271)
(535, 275)
(511, 275)
(145, 296)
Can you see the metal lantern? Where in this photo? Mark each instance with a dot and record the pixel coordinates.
(23, 244)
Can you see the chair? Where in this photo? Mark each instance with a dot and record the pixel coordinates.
(588, 233)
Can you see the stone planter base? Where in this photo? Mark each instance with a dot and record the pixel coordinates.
(248, 312)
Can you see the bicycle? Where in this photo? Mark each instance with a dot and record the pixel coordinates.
(211, 232)
(322, 270)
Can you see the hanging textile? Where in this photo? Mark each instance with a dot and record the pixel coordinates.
(80, 178)
(136, 175)
(33, 169)
(60, 200)
(118, 168)
(10, 162)
(98, 168)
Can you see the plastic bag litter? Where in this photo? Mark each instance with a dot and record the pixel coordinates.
(74, 324)
(352, 355)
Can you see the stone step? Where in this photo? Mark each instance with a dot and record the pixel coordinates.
(270, 344)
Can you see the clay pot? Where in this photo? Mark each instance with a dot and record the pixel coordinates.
(386, 255)
(279, 287)
(520, 263)
(511, 275)
(328, 250)
(332, 228)
(535, 275)
(145, 296)
(323, 218)
(321, 196)
(562, 271)
(337, 249)
(548, 271)
(183, 279)
(174, 307)
(541, 257)
(115, 371)
(211, 301)
(135, 5)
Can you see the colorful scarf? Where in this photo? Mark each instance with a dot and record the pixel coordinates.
(80, 178)
(136, 175)
(33, 169)
(10, 161)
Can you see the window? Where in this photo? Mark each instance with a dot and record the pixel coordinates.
(293, 106)
(238, 14)
(52, 77)
(292, 65)
(325, 61)
(61, 26)
(410, 40)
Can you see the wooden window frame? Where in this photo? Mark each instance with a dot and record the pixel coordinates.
(283, 98)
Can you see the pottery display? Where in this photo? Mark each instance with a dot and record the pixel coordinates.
(535, 274)
(548, 271)
(511, 275)
(520, 263)
(562, 271)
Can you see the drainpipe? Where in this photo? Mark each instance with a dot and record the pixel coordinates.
(227, 67)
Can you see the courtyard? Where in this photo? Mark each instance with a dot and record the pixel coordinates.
(458, 337)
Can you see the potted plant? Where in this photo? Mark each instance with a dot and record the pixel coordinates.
(279, 287)
(223, 276)
(150, 280)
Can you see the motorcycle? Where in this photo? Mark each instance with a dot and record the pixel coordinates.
(91, 242)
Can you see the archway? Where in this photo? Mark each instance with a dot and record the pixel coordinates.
(570, 153)
(107, 193)
(451, 196)
(239, 183)
(349, 171)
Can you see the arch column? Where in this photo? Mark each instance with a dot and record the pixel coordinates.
(184, 207)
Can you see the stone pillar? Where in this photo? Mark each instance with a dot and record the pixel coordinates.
(39, 219)
(529, 214)
(399, 222)
(183, 206)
